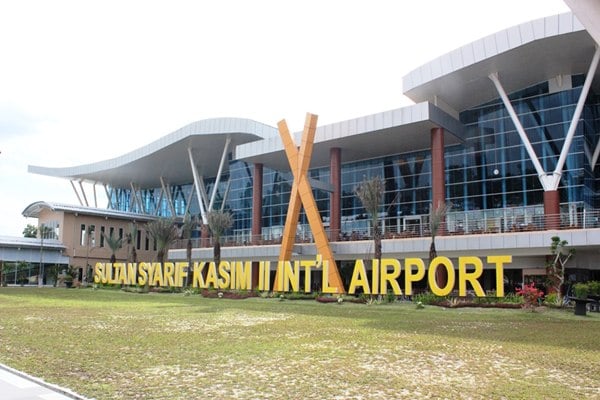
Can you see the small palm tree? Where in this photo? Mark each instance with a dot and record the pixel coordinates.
(437, 217)
(189, 224)
(131, 238)
(163, 232)
(114, 244)
(370, 193)
(218, 223)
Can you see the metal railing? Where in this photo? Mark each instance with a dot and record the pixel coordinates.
(476, 222)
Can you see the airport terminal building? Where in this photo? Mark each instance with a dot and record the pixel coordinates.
(505, 130)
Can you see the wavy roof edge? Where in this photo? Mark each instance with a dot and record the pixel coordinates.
(207, 127)
(33, 211)
(490, 46)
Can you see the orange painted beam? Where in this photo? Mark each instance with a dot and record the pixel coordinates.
(301, 195)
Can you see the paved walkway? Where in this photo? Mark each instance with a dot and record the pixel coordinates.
(16, 385)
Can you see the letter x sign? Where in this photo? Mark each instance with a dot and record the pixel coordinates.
(302, 195)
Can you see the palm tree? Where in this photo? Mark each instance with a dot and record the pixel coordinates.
(370, 193)
(131, 238)
(114, 244)
(218, 222)
(437, 217)
(189, 224)
(163, 232)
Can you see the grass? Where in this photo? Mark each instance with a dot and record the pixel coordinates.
(113, 345)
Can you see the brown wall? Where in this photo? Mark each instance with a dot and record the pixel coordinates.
(70, 235)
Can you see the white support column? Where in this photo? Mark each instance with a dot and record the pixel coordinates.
(226, 194)
(76, 192)
(83, 194)
(108, 195)
(218, 177)
(197, 183)
(573, 126)
(131, 202)
(95, 195)
(513, 116)
(167, 191)
(203, 191)
(158, 207)
(551, 181)
(137, 196)
(189, 200)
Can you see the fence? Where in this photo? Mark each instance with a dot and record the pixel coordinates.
(523, 219)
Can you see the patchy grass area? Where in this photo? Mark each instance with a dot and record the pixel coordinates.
(114, 345)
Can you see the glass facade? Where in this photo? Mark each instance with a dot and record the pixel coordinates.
(489, 178)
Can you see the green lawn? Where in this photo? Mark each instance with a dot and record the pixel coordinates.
(108, 344)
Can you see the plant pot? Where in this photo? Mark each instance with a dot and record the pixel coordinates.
(69, 284)
(581, 306)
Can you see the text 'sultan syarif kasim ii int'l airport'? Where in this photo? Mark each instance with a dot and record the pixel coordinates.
(504, 130)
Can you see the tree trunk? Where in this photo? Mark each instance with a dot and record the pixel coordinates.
(441, 275)
(188, 253)
(217, 252)
(377, 242)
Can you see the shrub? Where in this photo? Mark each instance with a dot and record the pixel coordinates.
(512, 298)
(552, 300)
(390, 297)
(581, 290)
(531, 295)
(594, 288)
(427, 298)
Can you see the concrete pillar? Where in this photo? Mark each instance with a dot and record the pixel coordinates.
(335, 198)
(438, 181)
(552, 209)
(438, 188)
(257, 195)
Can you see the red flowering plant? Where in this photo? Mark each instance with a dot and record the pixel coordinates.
(531, 295)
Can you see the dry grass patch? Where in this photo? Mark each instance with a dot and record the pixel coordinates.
(114, 345)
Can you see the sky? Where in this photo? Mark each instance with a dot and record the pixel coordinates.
(84, 81)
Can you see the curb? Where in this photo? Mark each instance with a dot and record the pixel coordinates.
(50, 386)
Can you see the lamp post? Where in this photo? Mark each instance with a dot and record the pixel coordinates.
(41, 269)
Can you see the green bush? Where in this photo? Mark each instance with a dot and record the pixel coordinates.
(552, 300)
(594, 288)
(300, 296)
(581, 290)
(390, 297)
(512, 298)
(427, 298)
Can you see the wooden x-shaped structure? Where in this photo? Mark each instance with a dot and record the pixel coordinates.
(302, 195)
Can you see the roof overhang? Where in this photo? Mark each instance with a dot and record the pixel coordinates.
(392, 132)
(167, 157)
(34, 210)
(523, 56)
(32, 243)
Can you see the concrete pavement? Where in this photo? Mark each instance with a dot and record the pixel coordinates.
(16, 385)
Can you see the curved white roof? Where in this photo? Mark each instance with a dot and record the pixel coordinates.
(395, 131)
(33, 211)
(167, 157)
(523, 55)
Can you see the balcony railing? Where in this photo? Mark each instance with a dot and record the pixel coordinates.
(456, 223)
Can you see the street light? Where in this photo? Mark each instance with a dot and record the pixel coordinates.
(41, 269)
